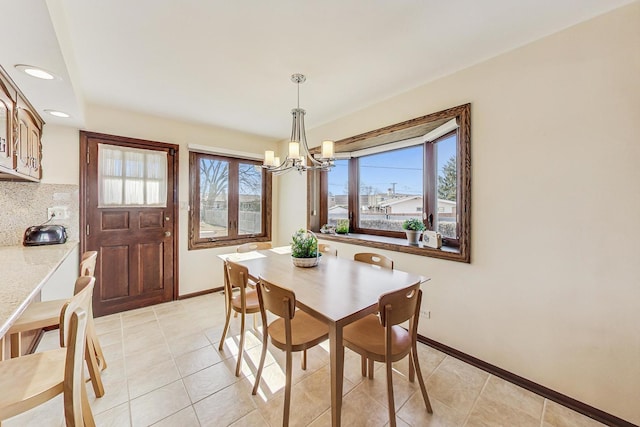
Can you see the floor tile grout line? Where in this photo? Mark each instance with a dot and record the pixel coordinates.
(475, 401)
(544, 409)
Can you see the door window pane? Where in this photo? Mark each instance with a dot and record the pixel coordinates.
(447, 184)
(390, 188)
(131, 177)
(214, 196)
(250, 199)
(338, 194)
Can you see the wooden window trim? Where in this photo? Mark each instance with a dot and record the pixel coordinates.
(452, 250)
(196, 242)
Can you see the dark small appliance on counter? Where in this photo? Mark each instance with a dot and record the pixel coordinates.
(44, 235)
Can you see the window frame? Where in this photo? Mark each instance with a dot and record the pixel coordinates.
(452, 249)
(197, 242)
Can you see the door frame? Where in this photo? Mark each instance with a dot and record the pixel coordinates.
(135, 143)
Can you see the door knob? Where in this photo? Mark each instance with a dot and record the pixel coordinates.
(167, 233)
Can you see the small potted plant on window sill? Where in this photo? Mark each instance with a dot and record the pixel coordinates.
(413, 227)
(343, 226)
(304, 249)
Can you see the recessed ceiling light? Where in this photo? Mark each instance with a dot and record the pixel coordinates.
(57, 113)
(36, 72)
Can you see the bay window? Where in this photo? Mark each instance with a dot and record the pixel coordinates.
(415, 169)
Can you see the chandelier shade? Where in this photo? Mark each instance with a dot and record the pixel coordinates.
(298, 156)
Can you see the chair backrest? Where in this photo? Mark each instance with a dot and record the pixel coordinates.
(399, 306)
(237, 274)
(276, 299)
(254, 246)
(74, 318)
(326, 249)
(374, 259)
(88, 263)
(80, 300)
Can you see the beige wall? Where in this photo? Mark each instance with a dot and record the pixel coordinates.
(200, 269)
(553, 289)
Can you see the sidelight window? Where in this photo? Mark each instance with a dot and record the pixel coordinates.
(229, 201)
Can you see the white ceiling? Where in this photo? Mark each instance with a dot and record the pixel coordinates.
(228, 63)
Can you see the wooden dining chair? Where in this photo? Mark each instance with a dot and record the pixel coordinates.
(326, 249)
(382, 262)
(292, 331)
(374, 259)
(31, 380)
(384, 340)
(253, 246)
(44, 314)
(236, 276)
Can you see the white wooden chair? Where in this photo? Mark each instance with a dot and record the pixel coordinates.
(31, 380)
(45, 314)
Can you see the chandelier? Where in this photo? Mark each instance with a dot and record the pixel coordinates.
(296, 159)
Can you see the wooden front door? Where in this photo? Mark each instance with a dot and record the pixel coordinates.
(136, 241)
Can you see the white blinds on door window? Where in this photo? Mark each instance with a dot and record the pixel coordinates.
(131, 177)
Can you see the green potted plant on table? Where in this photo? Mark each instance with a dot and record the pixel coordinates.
(304, 249)
(413, 227)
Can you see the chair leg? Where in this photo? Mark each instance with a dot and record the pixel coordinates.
(370, 368)
(1, 349)
(263, 356)
(423, 388)
(95, 344)
(94, 368)
(363, 363)
(303, 361)
(87, 415)
(287, 392)
(16, 345)
(226, 327)
(412, 371)
(392, 406)
(241, 344)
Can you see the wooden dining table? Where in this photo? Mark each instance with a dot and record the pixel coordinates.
(337, 291)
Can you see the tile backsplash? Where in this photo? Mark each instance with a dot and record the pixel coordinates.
(23, 204)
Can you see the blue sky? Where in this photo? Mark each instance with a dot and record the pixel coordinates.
(379, 171)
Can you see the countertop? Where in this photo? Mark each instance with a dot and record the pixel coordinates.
(23, 272)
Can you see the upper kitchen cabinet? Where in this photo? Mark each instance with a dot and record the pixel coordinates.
(28, 141)
(7, 104)
(20, 134)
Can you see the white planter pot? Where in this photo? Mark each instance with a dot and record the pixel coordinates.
(413, 236)
(305, 262)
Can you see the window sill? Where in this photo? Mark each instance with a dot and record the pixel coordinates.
(208, 244)
(397, 245)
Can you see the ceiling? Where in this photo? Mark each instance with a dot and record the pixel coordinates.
(228, 63)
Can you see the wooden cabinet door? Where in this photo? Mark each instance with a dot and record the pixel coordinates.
(7, 105)
(28, 148)
(22, 146)
(35, 150)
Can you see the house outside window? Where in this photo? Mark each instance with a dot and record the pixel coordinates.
(395, 185)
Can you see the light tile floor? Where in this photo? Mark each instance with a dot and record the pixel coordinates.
(164, 369)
